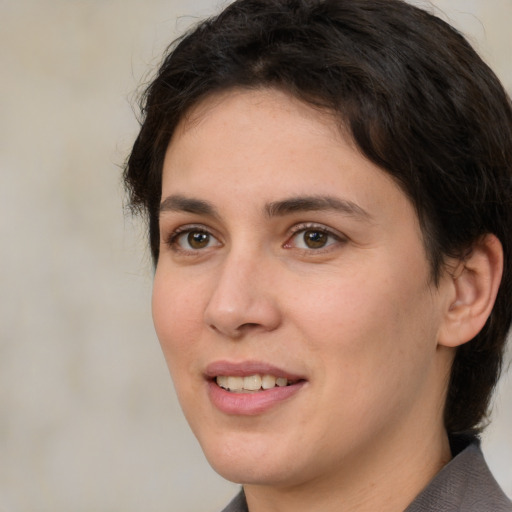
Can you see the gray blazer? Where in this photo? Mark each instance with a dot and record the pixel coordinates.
(465, 484)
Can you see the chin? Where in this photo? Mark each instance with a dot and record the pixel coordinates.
(248, 473)
(249, 461)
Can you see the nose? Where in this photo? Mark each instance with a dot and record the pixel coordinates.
(243, 299)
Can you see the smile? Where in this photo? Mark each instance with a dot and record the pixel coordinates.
(251, 383)
(248, 388)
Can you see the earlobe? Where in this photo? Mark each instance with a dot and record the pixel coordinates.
(474, 286)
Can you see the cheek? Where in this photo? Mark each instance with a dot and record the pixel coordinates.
(176, 317)
(376, 352)
(371, 327)
(177, 321)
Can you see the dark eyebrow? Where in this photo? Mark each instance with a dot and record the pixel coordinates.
(315, 203)
(177, 203)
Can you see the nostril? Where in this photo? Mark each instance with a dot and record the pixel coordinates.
(237, 331)
(248, 325)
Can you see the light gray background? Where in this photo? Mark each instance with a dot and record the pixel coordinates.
(88, 418)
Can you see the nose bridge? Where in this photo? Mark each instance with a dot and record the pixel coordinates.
(242, 298)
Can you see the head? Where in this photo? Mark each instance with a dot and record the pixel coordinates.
(411, 95)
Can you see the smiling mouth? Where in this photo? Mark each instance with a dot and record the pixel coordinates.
(251, 383)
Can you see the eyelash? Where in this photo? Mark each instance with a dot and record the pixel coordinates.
(173, 239)
(305, 227)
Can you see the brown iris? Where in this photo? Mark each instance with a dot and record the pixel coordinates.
(198, 239)
(315, 239)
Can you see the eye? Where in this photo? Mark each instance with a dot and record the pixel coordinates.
(192, 239)
(312, 238)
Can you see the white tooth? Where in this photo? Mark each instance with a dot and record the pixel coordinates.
(268, 382)
(252, 382)
(281, 381)
(222, 381)
(235, 383)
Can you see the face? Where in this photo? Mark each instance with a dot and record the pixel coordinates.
(292, 296)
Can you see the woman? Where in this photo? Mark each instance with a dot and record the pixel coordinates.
(328, 188)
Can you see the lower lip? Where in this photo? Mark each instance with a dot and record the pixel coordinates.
(250, 404)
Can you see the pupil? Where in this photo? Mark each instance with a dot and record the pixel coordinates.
(315, 239)
(198, 240)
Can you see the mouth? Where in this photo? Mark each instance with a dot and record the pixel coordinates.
(252, 383)
(250, 388)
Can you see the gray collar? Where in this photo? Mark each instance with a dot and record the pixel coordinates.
(465, 484)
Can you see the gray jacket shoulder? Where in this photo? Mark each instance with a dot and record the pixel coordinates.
(465, 484)
(237, 504)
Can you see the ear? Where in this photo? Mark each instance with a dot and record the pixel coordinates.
(473, 288)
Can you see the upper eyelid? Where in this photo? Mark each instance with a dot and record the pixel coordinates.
(190, 227)
(304, 226)
(183, 228)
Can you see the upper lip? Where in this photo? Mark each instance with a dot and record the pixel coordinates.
(247, 368)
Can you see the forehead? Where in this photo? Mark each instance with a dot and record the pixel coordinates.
(266, 142)
(280, 101)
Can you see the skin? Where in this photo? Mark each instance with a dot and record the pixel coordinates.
(358, 318)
